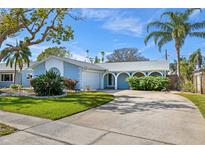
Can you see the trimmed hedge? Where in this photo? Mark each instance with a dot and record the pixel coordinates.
(48, 84)
(148, 83)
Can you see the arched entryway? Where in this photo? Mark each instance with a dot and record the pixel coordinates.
(109, 81)
(155, 74)
(138, 74)
(122, 81)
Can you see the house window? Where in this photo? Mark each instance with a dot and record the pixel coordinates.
(54, 69)
(7, 77)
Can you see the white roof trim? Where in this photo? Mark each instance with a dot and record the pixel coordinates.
(82, 64)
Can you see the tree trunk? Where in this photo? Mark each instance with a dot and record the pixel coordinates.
(178, 62)
(15, 73)
(178, 65)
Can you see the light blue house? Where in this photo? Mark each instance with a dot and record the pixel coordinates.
(94, 76)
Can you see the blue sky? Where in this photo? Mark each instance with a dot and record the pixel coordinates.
(109, 29)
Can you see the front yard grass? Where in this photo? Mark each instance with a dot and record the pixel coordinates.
(5, 130)
(55, 108)
(198, 100)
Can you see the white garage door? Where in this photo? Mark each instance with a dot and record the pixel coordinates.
(91, 79)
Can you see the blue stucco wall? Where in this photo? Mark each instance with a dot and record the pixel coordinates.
(5, 84)
(72, 72)
(39, 69)
(122, 83)
(25, 81)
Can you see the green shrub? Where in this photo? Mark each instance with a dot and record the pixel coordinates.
(148, 83)
(16, 86)
(48, 84)
(69, 83)
(187, 86)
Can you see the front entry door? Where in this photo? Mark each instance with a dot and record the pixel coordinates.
(110, 80)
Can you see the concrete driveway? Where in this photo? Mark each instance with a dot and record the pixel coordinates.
(134, 117)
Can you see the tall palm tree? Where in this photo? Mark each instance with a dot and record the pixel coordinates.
(196, 58)
(103, 56)
(16, 58)
(176, 28)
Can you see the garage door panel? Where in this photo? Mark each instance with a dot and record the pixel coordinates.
(91, 79)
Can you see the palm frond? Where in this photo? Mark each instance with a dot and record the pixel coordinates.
(173, 16)
(168, 14)
(163, 41)
(197, 25)
(165, 26)
(185, 15)
(156, 35)
(197, 34)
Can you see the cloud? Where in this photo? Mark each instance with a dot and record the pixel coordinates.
(78, 57)
(156, 15)
(123, 25)
(195, 13)
(77, 52)
(97, 14)
(116, 21)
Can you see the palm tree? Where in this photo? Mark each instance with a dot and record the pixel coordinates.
(196, 58)
(176, 28)
(16, 58)
(87, 55)
(103, 56)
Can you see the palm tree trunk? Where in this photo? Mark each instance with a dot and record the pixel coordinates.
(178, 62)
(178, 65)
(15, 73)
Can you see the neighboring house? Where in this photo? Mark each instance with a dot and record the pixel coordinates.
(95, 76)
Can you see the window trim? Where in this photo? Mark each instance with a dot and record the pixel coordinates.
(6, 74)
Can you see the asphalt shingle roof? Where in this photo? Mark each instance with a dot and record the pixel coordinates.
(4, 68)
(136, 66)
(113, 67)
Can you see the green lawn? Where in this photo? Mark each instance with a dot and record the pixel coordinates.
(198, 100)
(55, 108)
(5, 130)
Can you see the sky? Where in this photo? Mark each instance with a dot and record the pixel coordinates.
(110, 29)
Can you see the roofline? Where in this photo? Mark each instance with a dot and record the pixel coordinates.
(134, 62)
(65, 60)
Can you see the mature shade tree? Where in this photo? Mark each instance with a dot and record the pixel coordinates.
(126, 55)
(54, 51)
(196, 58)
(37, 26)
(175, 28)
(16, 57)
